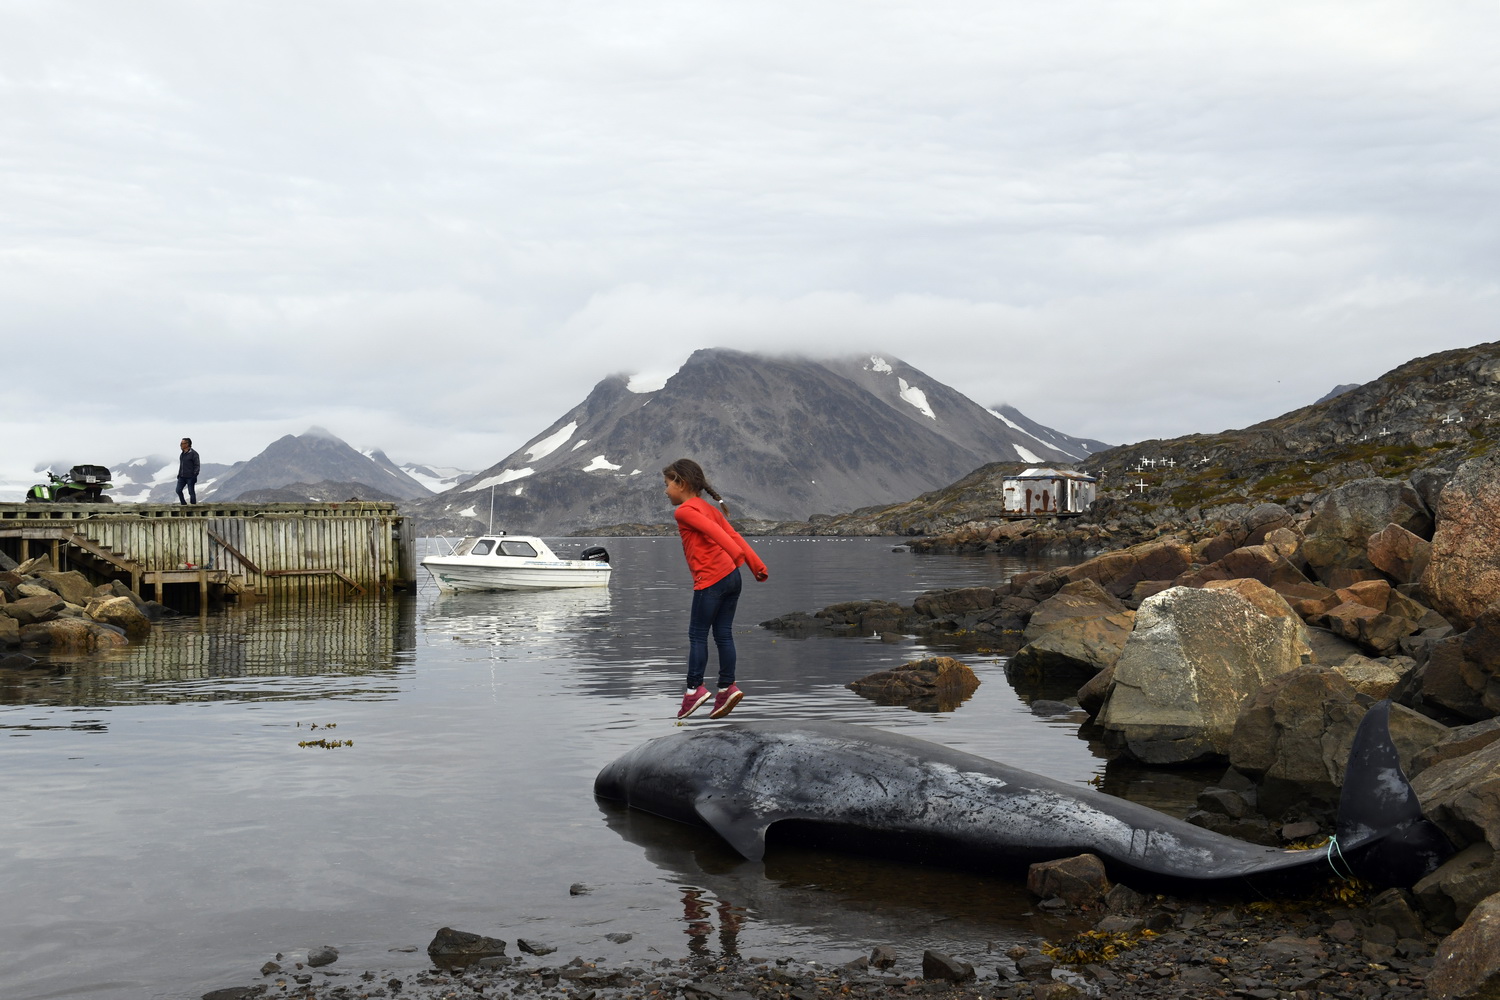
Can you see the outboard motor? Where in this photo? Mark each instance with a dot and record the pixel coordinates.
(595, 553)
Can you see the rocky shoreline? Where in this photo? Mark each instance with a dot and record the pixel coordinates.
(1255, 638)
(43, 609)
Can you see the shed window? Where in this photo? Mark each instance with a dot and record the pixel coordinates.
(509, 548)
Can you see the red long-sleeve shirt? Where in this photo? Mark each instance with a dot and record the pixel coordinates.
(713, 548)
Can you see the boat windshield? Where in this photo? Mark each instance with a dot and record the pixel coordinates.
(481, 547)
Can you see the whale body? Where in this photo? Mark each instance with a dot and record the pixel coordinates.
(865, 788)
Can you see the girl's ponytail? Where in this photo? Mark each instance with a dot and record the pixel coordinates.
(715, 494)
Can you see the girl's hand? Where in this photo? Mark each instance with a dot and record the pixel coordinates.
(761, 576)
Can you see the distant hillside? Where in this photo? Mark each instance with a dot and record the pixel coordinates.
(1076, 449)
(324, 492)
(782, 438)
(1337, 390)
(1434, 411)
(312, 457)
(153, 479)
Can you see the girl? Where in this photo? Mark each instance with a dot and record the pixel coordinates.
(714, 553)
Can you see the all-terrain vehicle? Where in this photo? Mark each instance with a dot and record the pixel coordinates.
(82, 484)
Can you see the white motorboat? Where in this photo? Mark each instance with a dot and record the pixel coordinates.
(515, 562)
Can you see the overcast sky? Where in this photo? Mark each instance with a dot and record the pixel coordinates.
(433, 226)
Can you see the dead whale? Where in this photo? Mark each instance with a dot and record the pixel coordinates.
(853, 786)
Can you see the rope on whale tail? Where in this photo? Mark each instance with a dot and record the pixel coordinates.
(1335, 852)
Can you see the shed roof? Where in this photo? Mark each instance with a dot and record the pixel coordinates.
(1050, 473)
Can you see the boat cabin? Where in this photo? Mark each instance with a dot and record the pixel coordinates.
(500, 546)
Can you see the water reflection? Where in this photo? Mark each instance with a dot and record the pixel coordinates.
(246, 653)
(540, 618)
(851, 901)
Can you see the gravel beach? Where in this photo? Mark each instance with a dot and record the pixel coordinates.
(1268, 950)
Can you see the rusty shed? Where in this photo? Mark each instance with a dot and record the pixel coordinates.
(1048, 491)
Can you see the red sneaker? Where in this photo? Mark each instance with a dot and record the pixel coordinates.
(725, 701)
(692, 701)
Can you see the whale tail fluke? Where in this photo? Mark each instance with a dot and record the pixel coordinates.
(1382, 835)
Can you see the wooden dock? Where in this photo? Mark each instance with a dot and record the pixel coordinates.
(221, 551)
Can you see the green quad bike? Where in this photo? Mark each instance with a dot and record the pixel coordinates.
(82, 484)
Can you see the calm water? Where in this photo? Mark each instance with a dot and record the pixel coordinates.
(165, 833)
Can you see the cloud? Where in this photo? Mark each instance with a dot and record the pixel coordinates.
(434, 230)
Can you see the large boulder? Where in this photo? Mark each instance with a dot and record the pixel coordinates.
(936, 684)
(1119, 572)
(1249, 562)
(1374, 678)
(1192, 658)
(1467, 965)
(1458, 742)
(1074, 601)
(1337, 536)
(36, 565)
(1263, 519)
(122, 613)
(1258, 594)
(1399, 554)
(10, 631)
(1447, 896)
(30, 610)
(1256, 526)
(1078, 646)
(1462, 796)
(72, 586)
(946, 603)
(1463, 573)
(1462, 673)
(1293, 737)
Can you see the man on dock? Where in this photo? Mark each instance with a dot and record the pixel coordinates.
(187, 472)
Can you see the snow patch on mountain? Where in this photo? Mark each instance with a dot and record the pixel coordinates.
(644, 382)
(916, 397)
(1035, 437)
(508, 476)
(600, 463)
(551, 442)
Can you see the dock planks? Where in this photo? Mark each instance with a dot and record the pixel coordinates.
(270, 550)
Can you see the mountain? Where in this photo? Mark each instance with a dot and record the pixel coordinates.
(153, 479)
(1076, 449)
(312, 457)
(1337, 390)
(782, 439)
(435, 478)
(1434, 411)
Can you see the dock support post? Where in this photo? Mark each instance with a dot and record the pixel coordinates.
(202, 590)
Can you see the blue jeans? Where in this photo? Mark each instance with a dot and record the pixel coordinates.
(713, 608)
(186, 484)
